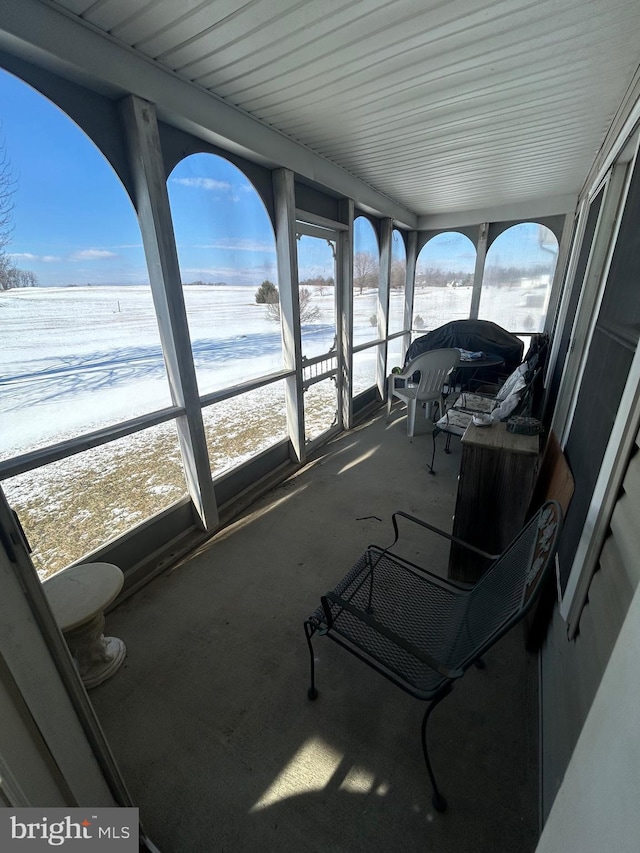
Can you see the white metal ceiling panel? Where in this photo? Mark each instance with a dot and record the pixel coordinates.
(443, 105)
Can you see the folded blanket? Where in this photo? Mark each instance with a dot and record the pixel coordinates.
(467, 355)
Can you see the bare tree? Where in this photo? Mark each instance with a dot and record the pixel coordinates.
(365, 270)
(320, 283)
(7, 189)
(308, 313)
(398, 274)
(10, 275)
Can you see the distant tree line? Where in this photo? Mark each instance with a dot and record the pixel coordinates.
(10, 275)
(494, 274)
(365, 276)
(438, 277)
(199, 283)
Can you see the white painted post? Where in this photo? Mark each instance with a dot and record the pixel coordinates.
(287, 258)
(345, 283)
(478, 274)
(154, 215)
(384, 280)
(410, 287)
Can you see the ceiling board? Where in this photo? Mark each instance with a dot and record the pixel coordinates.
(443, 105)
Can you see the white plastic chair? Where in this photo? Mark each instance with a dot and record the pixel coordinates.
(434, 367)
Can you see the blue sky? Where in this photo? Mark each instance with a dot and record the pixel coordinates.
(74, 223)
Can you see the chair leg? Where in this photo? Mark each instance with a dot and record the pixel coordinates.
(434, 435)
(390, 388)
(439, 802)
(312, 693)
(411, 417)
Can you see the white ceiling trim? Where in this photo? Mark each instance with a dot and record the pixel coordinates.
(535, 209)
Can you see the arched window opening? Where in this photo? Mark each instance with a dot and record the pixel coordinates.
(80, 339)
(227, 256)
(397, 289)
(444, 281)
(81, 347)
(397, 283)
(518, 274)
(366, 272)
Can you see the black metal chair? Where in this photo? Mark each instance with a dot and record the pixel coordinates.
(518, 389)
(423, 632)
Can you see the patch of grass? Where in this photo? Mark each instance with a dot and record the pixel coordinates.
(71, 507)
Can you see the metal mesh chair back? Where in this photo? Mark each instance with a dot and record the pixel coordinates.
(504, 593)
(421, 630)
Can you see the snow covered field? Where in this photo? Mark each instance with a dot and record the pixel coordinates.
(77, 359)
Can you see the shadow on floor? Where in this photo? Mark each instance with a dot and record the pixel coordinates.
(209, 720)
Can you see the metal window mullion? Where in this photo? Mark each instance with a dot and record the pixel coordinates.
(243, 388)
(344, 285)
(154, 215)
(287, 259)
(384, 279)
(551, 318)
(478, 274)
(556, 315)
(64, 449)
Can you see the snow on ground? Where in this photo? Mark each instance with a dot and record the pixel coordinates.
(76, 359)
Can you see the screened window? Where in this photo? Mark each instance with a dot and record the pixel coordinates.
(80, 342)
(444, 281)
(317, 294)
(366, 271)
(238, 428)
(226, 252)
(517, 279)
(71, 507)
(397, 283)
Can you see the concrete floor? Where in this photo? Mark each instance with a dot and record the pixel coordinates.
(209, 719)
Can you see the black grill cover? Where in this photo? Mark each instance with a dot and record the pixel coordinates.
(473, 335)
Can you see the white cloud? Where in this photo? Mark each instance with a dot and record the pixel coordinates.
(232, 275)
(92, 255)
(239, 244)
(23, 256)
(203, 183)
(29, 257)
